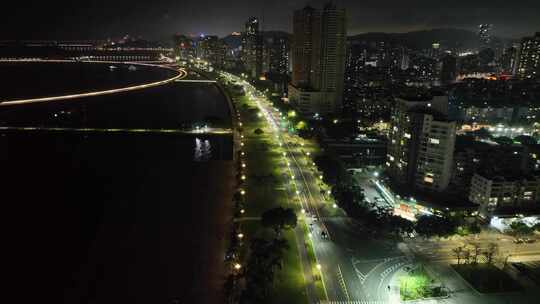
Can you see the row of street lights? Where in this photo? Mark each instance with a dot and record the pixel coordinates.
(284, 154)
(276, 129)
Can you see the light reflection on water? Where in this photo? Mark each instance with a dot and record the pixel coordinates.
(203, 150)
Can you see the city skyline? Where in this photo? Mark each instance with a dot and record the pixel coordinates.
(99, 19)
(146, 159)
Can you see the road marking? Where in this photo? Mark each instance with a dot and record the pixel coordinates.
(195, 80)
(381, 262)
(342, 283)
(355, 302)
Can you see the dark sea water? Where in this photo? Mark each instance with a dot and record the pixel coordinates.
(33, 79)
(117, 218)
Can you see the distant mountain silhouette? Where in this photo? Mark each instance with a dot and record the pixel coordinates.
(424, 39)
(448, 37)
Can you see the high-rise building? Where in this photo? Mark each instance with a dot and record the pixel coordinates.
(529, 57)
(276, 53)
(498, 192)
(508, 60)
(184, 47)
(303, 24)
(448, 69)
(421, 144)
(252, 48)
(212, 49)
(484, 34)
(319, 39)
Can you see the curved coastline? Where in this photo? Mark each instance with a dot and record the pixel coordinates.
(181, 73)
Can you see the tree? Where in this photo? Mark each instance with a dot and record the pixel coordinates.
(433, 225)
(333, 169)
(491, 252)
(482, 133)
(258, 131)
(279, 218)
(467, 255)
(474, 228)
(229, 288)
(525, 139)
(265, 257)
(503, 140)
(475, 252)
(458, 252)
(399, 225)
(520, 228)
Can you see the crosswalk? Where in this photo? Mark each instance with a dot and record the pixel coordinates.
(355, 302)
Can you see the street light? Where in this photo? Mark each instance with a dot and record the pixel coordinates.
(237, 266)
(243, 165)
(242, 211)
(240, 235)
(319, 267)
(243, 177)
(242, 192)
(376, 174)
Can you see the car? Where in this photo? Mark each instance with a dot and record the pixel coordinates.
(324, 235)
(518, 241)
(529, 241)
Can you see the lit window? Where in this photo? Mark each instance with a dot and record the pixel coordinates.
(407, 135)
(428, 179)
(434, 141)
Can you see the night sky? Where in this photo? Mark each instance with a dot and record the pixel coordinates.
(158, 19)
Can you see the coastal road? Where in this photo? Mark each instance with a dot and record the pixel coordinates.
(353, 266)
